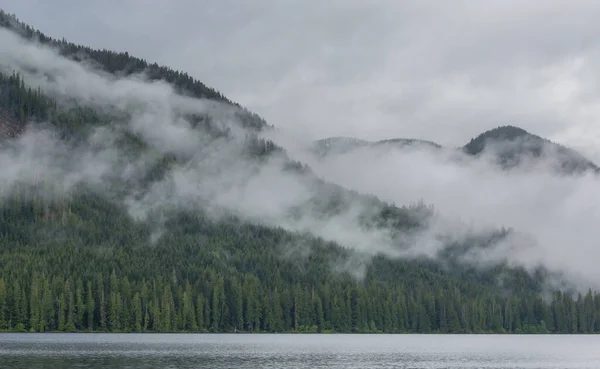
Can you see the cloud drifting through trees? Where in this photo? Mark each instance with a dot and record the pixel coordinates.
(558, 212)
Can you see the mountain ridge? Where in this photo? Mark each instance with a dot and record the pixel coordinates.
(510, 145)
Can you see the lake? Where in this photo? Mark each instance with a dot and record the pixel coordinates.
(136, 351)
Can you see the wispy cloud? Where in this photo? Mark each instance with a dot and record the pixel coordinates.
(406, 70)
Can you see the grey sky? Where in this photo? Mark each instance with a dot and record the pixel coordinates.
(438, 70)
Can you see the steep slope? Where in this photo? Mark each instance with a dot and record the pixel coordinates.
(75, 258)
(124, 64)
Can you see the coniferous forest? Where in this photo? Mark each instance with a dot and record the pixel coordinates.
(79, 262)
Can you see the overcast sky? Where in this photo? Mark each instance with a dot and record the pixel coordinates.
(440, 70)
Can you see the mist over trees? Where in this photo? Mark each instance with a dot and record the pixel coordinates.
(76, 260)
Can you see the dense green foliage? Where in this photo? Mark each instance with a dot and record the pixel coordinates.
(79, 262)
(84, 265)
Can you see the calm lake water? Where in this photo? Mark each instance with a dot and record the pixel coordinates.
(136, 351)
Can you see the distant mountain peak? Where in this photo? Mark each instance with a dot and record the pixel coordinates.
(509, 131)
(512, 145)
(502, 133)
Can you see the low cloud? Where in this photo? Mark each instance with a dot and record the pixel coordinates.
(555, 213)
(216, 175)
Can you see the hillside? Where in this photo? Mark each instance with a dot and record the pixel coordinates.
(123, 64)
(107, 225)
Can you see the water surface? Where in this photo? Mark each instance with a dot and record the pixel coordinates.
(136, 351)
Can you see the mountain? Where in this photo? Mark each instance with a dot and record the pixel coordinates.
(138, 212)
(123, 64)
(508, 146)
(500, 134)
(513, 146)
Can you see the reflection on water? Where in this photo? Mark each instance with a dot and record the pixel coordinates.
(137, 351)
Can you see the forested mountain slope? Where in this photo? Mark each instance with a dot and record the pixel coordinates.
(74, 257)
(125, 64)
